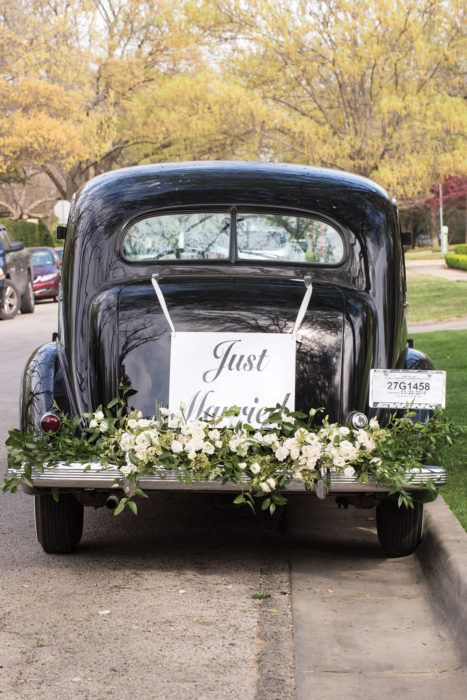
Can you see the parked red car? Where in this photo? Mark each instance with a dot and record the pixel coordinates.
(46, 273)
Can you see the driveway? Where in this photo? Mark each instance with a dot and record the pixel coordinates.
(435, 268)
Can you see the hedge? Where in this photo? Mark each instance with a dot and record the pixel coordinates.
(29, 233)
(457, 261)
(461, 249)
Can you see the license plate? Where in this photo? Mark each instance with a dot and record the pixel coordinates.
(403, 388)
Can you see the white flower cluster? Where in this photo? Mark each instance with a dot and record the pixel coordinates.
(195, 438)
(264, 456)
(98, 421)
(140, 441)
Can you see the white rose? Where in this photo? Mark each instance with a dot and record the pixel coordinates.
(292, 445)
(164, 411)
(138, 414)
(374, 423)
(365, 440)
(208, 448)
(265, 487)
(347, 450)
(338, 461)
(255, 468)
(126, 471)
(132, 424)
(98, 415)
(197, 431)
(196, 444)
(281, 453)
(271, 483)
(144, 423)
(125, 442)
(349, 471)
(242, 466)
(93, 423)
(270, 439)
(214, 434)
(310, 455)
(153, 435)
(176, 446)
(142, 441)
(190, 448)
(104, 426)
(343, 430)
(218, 443)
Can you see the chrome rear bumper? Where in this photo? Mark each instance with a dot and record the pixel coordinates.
(73, 477)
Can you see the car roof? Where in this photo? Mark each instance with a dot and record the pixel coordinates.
(244, 169)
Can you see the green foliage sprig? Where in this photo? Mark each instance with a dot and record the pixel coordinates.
(289, 445)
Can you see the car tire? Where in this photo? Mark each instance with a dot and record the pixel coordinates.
(9, 300)
(27, 300)
(59, 524)
(399, 528)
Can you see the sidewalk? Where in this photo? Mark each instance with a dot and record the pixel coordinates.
(454, 324)
(435, 268)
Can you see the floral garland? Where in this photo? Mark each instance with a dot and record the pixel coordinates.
(289, 445)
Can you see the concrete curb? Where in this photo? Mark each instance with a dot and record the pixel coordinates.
(443, 556)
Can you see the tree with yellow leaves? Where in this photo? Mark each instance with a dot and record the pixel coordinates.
(373, 86)
(75, 74)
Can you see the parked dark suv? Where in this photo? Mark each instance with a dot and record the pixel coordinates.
(16, 292)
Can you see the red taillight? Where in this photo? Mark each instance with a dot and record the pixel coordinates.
(50, 423)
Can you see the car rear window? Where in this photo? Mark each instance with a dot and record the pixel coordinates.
(200, 236)
(288, 238)
(234, 235)
(42, 257)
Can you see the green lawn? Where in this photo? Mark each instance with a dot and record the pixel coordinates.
(435, 299)
(448, 350)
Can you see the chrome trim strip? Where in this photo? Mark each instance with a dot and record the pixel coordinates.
(72, 477)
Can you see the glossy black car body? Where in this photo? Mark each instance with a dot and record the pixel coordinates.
(15, 277)
(112, 329)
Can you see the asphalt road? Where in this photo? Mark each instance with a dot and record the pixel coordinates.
(155, 606)
(166, 605)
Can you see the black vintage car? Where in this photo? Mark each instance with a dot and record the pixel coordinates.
(16, 293)
(231, 244)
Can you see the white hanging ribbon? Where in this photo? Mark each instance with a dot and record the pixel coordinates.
(300, 316)
(160, 296)
(303, 306)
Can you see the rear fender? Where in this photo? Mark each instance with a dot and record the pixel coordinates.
(416, 359)
(44, 385)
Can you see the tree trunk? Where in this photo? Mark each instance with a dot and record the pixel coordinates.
(434, 229)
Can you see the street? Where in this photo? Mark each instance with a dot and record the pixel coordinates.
(190, 600)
